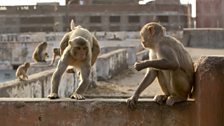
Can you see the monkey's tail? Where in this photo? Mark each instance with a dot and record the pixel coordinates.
(72, 25)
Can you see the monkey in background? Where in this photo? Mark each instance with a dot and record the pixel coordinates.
(22, 70)
(169, 62)
(79, 49)
(40, 54)
(56, 52)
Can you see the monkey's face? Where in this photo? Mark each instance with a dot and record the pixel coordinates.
(80, 52)
(146, 39)
(79, 49)
(46, 55)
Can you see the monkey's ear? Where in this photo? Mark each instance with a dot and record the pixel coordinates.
(151, 30)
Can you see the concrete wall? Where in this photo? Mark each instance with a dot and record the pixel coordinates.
(110, 64)
(131, 52)
(37, 86)
(92, 112)
(209, 92)
(204, 38)
(39, 67)
(206, 110)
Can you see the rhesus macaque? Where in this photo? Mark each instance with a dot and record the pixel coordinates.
(56, 52)
(169, 62)
(79, 49)
(40, 54)
(22, 70)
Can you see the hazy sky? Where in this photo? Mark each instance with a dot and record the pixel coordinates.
(62, 2)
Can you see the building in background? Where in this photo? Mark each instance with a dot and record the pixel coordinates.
(210, 13)
(96, 15)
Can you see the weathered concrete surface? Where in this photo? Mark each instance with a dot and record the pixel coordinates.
(203, 37)
(38, 85)
(39, 67)
(131, 52)
(92, 112)
(111, 63)
(210, 91)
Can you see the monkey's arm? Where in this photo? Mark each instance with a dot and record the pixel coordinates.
(64, 42)
(167, 60)
(95, 50)
(23, 73)
(56, 77)
(53, 59)
(84, 73)
(84, 83)
(146, 81)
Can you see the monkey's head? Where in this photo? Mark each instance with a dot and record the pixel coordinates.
(79, 48)
(27, 64)
(150, 33)
(56, 51)
(46, 54)
(43, 45)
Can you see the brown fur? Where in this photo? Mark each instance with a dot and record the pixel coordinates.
(79, 49)
(40, 54)
(22, 70)
(56, 52)
(169, 62)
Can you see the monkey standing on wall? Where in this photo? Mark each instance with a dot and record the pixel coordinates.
(22, 70)
(40, 54)
(169, 62)
(79, 49)
(56, 52)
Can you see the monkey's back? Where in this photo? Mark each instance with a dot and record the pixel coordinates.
(79, 31)
(184, 58)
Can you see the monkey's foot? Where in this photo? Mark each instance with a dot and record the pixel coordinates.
(171, 100)
(160, 99)
(77, 96)
(132, 101)
(53, 96)
(70, 70)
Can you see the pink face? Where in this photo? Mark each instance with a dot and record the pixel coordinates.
(80, 52)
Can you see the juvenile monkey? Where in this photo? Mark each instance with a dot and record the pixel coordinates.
(79, 49)
(169, 62)
(40, 54)
(22, 70)
(56, 52)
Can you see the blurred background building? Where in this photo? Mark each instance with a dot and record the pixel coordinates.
(210, 13)
(95, 15)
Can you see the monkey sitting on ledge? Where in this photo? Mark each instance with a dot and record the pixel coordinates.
(79, 49)
(169, 62)
(22, 70)
(40, 54)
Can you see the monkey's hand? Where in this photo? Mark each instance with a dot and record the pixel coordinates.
(160, 99)
(132, 102)
(77, 96)
(139, 66)
(53, 96)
